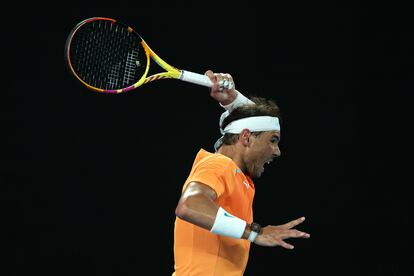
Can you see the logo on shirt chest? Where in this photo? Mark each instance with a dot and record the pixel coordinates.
(245, 182)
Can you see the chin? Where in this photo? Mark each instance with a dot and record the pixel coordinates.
(258, 175)
(255, 174)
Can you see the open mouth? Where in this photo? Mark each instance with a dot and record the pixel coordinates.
(266, 163)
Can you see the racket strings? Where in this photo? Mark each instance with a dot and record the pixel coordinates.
(107, 55)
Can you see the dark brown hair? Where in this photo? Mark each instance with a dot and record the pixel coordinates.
(261, 107)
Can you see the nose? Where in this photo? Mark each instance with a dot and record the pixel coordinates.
(276, 151)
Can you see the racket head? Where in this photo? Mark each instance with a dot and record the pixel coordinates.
(107, 55)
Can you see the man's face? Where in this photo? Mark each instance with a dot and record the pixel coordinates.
(262, 150)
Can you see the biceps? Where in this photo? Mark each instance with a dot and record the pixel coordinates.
(197, 205)
(199, 189)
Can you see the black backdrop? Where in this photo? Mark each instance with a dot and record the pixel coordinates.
(91, 181)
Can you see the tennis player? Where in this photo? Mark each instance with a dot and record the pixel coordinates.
(214, 224)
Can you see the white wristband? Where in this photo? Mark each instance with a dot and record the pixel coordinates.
(228, 225)
(238, 101)
(252, 236)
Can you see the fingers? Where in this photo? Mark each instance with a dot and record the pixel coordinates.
(286, 245)
(293, 223)
(297, 234)
(223, 89)
(213, 78)
(293, 234)
(276, 236)
(211, 75)
(225, 82)
(289, 233)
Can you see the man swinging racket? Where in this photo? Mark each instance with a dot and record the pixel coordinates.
(214, 224)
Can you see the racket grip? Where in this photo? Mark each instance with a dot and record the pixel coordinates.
(195, 78)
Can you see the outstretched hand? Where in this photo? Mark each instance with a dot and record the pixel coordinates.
(272, 235)
(223, 89)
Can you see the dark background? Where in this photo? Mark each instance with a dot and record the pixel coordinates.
(91, 181)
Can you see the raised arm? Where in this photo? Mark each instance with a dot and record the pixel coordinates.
(224, 91)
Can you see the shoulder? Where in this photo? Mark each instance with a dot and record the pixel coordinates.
(213, 160)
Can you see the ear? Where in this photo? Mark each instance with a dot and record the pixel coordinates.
(244, 137)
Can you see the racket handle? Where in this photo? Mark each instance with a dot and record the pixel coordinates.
(195, 78)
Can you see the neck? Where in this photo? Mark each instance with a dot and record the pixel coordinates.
(233, 152)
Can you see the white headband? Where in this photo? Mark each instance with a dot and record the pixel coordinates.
(256, 123)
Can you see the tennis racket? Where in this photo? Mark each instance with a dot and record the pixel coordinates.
(110, 57)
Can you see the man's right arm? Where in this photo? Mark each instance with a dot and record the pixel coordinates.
(227, 96)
